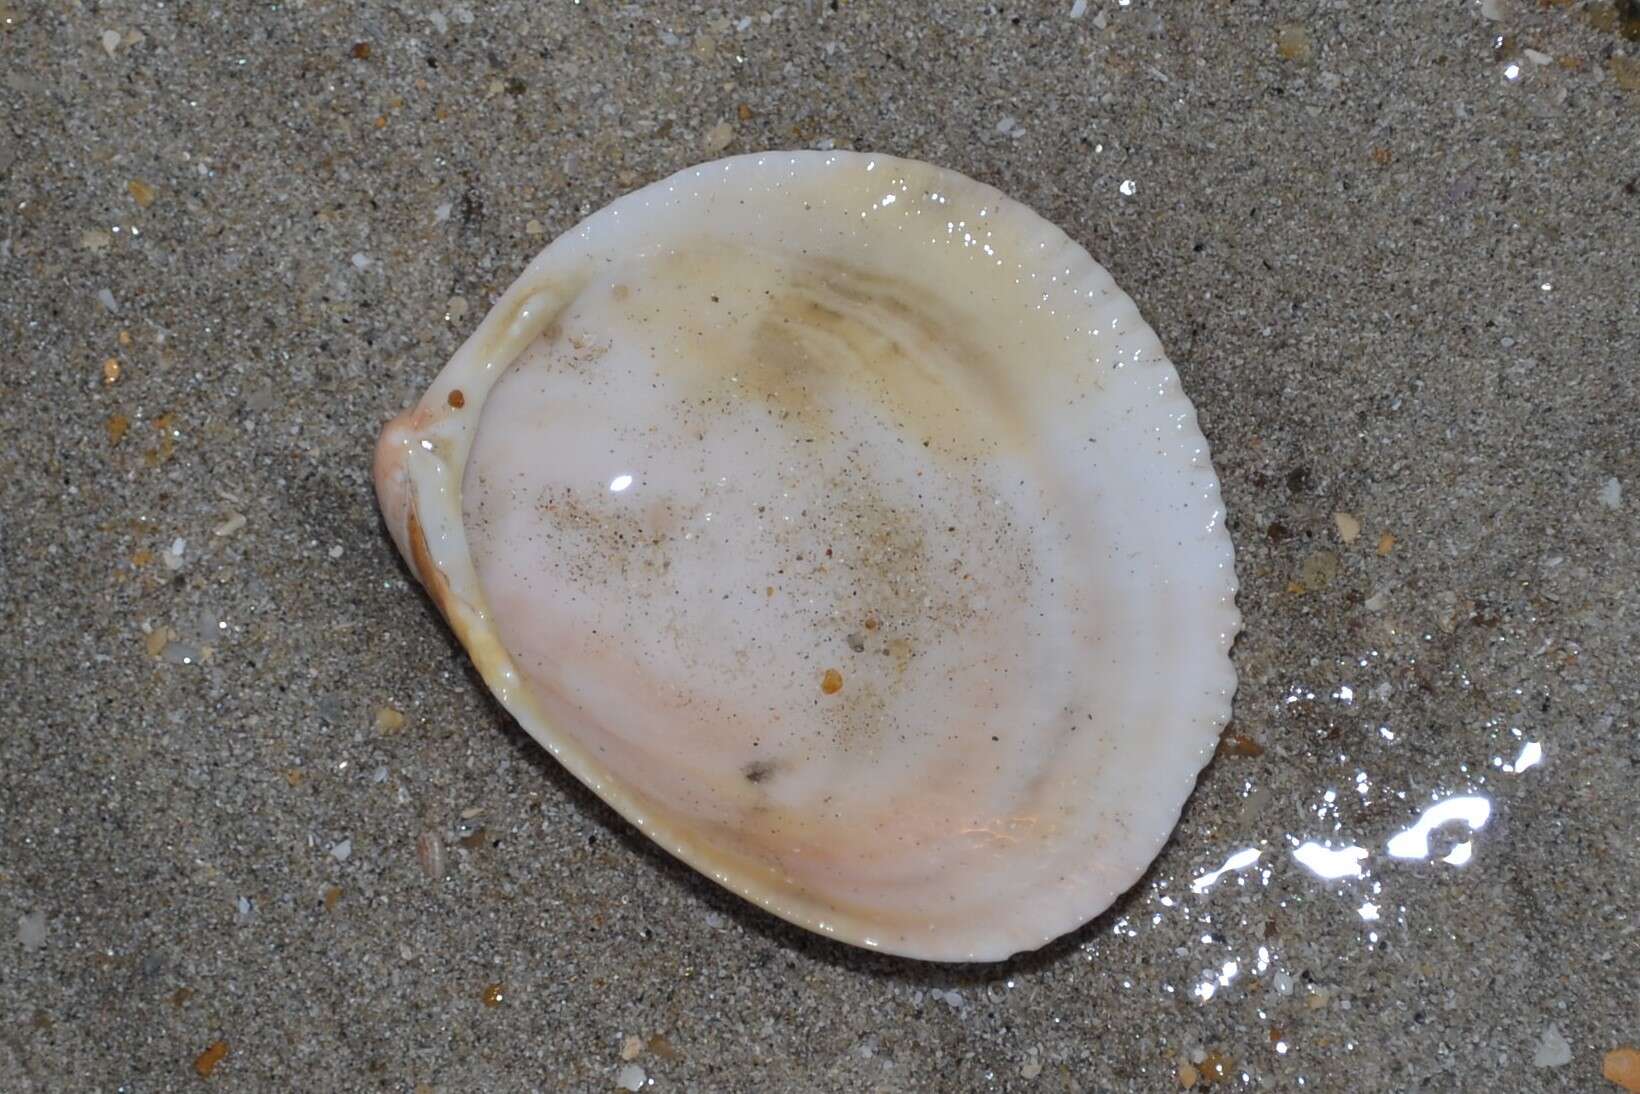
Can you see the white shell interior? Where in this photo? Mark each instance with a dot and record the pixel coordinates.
(841, 523)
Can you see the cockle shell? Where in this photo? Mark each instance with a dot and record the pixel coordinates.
(839, 522)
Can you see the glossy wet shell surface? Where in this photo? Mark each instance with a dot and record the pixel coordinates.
(842, 524)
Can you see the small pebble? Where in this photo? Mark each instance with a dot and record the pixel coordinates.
(1622, 1066)
(1611, 494)
(336, 551)
(142, 193)
(157, 639)
(1553, 1050)
(105, 297)
(361, 261)
(430, 854)
(631, 1047)
(341, 850)
(1078, 9)
(206, 1061)
(110, 41)
(631, 1077)
(31, 931)
(441, 213)
(1215, 1067)
(172, 555)
(719, 137)
(234, 523)
(1316, 572)
(1349, 528)
(1293, 42)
